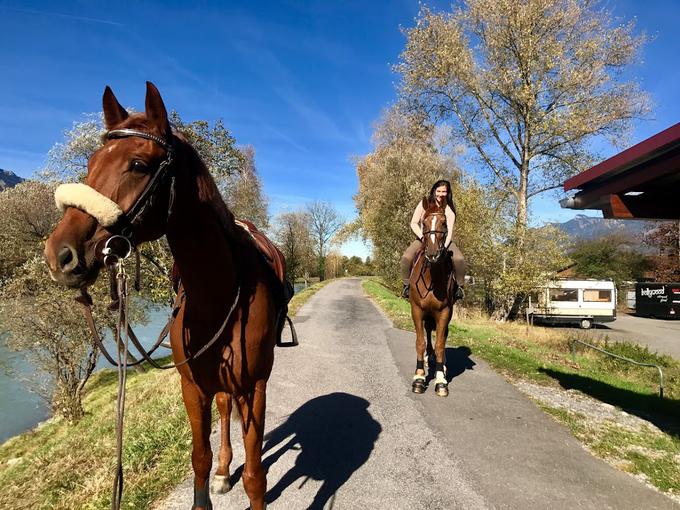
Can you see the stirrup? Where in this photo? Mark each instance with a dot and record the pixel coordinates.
(460, 293)
(405, 291)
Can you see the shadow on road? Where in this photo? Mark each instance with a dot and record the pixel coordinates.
(457, 361)
(335, 435)
(662, 412)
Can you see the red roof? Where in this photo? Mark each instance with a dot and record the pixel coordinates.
(634, 156)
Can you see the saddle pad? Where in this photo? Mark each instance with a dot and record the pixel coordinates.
(419, 254)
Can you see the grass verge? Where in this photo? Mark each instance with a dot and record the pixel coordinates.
(61, 466)
(542, 356)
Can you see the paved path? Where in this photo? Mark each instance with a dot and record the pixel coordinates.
(345, 432)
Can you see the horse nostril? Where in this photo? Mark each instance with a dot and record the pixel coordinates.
(67, 259)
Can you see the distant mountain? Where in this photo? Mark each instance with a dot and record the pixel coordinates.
(8, 179)
(585, 228)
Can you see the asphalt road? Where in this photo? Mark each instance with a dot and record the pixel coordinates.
(345, 432)
(659, 335)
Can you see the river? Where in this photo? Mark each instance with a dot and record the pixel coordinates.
(22, 410)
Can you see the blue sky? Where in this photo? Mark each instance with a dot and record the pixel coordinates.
(302, 82)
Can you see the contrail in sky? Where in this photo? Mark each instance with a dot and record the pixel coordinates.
(62, 15)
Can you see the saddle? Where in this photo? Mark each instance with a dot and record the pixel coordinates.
(451, 283)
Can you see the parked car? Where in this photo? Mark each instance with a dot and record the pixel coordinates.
(657, 299)
(582, 302)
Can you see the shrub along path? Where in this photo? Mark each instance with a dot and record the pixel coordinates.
(345, 430)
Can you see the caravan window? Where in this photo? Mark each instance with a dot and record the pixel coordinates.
(564, 295)
(597, 296)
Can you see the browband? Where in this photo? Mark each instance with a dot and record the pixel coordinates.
(126, 133)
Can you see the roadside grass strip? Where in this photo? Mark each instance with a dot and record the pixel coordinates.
(62, 466)
(647, 446)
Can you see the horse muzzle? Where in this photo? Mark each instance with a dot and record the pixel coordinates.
(68, 267)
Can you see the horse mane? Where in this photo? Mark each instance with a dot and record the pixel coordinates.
(432, 206)
(207, 188)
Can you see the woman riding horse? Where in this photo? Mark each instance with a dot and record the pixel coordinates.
(440, 194)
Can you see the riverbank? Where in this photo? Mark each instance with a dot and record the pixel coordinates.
(62, 466)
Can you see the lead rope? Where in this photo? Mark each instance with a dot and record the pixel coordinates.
(121, 281)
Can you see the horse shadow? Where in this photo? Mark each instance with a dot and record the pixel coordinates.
(457, 362)
(335, 435)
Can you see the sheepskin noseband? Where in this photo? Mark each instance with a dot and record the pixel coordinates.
(87, 199)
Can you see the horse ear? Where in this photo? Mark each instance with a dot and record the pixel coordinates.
(155, 109)
(114, 113)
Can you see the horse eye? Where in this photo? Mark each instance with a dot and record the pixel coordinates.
(138, 166)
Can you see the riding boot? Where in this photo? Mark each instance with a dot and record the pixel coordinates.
(405, 291)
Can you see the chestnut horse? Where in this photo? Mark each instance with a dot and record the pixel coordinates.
(147, 181)
(431, 294)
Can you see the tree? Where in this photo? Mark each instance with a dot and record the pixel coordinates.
(294, 239)
(609, 258)
(324, 221)
(27, 216)
(232, 168)
(334, 265)
(247, 199)
(407, 160)
(47, 326)
(67, 160)
(527, 85)
(43, 321)
(665, 240)
(392, 180)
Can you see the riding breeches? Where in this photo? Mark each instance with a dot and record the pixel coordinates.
(457, 259)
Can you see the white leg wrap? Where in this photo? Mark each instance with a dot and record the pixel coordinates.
(440, 377)
(87, 199)
(418, 377)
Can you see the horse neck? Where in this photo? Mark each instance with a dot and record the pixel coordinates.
(435, 273)
(201, 243)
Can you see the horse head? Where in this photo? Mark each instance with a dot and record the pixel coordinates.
(125, 197)
(434, 231)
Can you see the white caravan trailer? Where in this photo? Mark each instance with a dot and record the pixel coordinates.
(583, 302)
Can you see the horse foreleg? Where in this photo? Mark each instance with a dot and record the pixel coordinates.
(441, 385)
(198, 409)
(221, 483)
(418, 384)
(252, 407)
(429, 353)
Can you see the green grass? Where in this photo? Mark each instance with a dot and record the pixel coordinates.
(542, 355)
(63, 466)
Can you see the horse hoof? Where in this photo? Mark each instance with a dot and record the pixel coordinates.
(418, 386)
(220, 484)
(442, 390)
